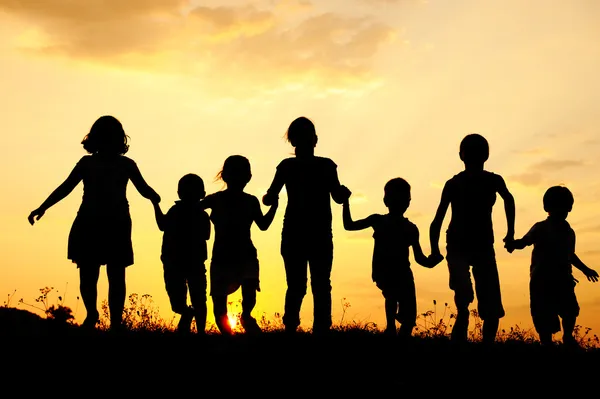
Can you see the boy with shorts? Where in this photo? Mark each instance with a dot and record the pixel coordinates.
(470, 237)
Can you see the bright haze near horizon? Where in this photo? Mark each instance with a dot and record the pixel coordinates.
(391, 85)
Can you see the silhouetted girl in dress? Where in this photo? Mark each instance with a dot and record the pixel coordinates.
(101, 231)
(234, 262)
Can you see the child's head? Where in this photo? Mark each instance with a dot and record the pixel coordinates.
(558, 201)
(236, 171)
(301, 133)
(397, 194)
(474, 150)
(191, 188)
(106, 136)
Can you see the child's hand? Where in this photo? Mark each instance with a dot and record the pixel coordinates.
(591, 274)
(274, 202)
(35, 215)
(510, 246)
(345, 193)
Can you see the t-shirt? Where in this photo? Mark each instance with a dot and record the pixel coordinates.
(309, 182)
(186, 230)
(553, 246)
(393, 237)
(472, 197)
(232, 214)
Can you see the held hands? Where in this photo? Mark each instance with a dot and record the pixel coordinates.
(509, 242)
(345, 194)
(35, 216)
(434, 259)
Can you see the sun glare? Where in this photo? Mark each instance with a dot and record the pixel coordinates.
(232, 321)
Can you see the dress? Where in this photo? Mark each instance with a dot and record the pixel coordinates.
(101, 231)
(234, 258)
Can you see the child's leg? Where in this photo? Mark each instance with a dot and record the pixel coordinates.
(320, 280)
(197, 287)
(407, 308)
(116, 294)
(391, 310)
(490, 329)
(296, 277)
(220, 312)
(489, 298)
(88, 286)
(460, 282)
(249, 288)
(568, 325)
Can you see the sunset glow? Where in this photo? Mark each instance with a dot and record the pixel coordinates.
(391, 85)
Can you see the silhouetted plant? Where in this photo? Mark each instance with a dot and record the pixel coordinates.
(56, 312)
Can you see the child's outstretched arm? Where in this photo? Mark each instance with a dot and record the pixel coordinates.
(264, 221)
(591, 274)
(160, 217)
(436, 224)
(141, 186)
(509, 209)
(58, 194)
(353, 225)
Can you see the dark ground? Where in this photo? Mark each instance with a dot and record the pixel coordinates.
(37, 354)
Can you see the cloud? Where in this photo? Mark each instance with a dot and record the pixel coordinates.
(260, 49)
(534, 174)
(526, 179)
(555, 165)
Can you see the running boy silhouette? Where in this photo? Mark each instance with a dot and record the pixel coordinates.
(306, 239)
(552, 285)
(234, 262)
(186, 228)
(394, 234)
(470, 237)
(101, 232)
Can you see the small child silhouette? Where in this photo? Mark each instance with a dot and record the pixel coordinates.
(186, 228)
(470, 237)
(394, 234)
(306, 239)
(234, 262)
(552, 285)
(101, 232)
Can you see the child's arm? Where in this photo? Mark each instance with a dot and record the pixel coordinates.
(436, 224)
(353, 225)
(527, 240)
(58, 194)
(420, 258)
(272, 194)
(264, 221)
(591, 274)
(141, 186)
(160, 217)
(509, 209)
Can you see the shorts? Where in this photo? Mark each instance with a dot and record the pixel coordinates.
(550, 299)
(227, 277)
(487, 281)
(403, 291)
(181, 279)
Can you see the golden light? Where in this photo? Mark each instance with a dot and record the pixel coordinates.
(232, 321)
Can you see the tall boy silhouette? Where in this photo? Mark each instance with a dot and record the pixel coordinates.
(470, 237)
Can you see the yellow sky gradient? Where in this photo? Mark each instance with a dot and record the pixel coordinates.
(392, 87)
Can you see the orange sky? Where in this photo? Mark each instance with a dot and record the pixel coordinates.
(392, 86)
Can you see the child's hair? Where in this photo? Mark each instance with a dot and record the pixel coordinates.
(558, 199)
(191, 187)
(236, 170)
(396, 191)
(106, 135)
(474, 148)
(301, 132)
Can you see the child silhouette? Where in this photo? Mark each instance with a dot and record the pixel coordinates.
(470, 237)
(101, 231)
(307, 238)
(394, 234)
(234, 262)
(186, 228)
(552, 285)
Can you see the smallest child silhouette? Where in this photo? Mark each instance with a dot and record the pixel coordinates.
(552, 285)
(186, 228)
(394, 234)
